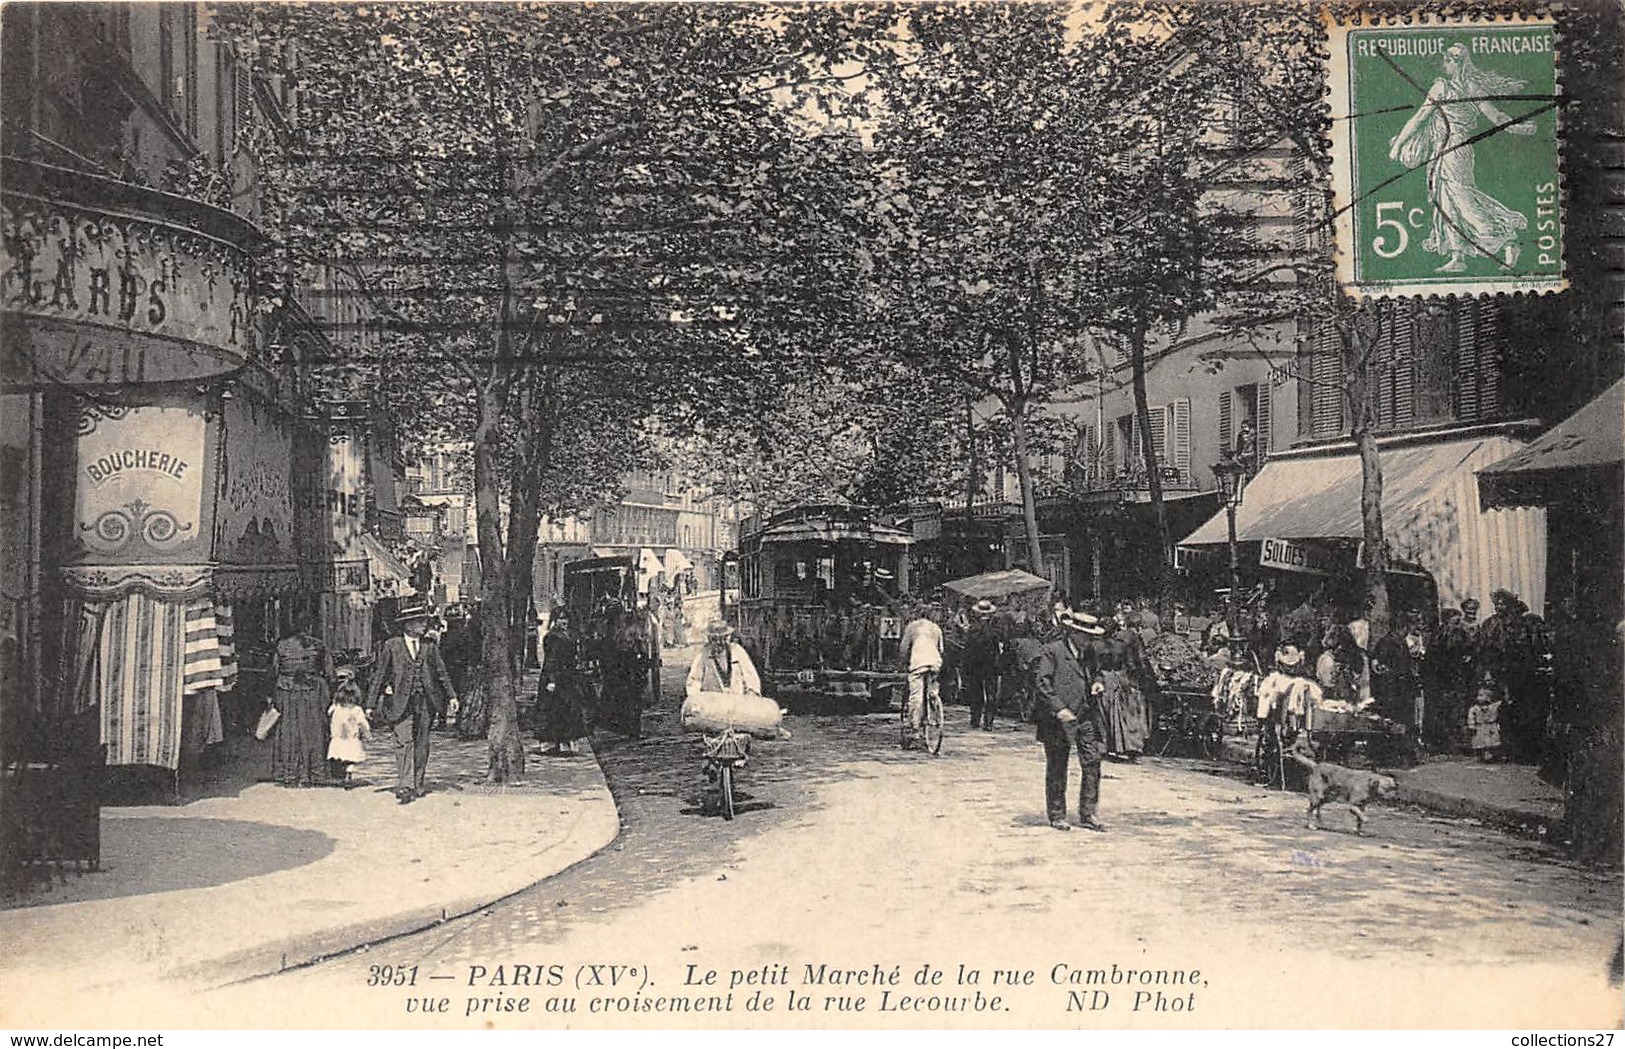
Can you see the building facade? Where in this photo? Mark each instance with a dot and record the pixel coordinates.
(172, 490)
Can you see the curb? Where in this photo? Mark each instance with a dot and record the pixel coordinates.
(589, 834)
(1438, 802)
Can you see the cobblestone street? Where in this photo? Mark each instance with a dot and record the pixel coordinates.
(849, 852)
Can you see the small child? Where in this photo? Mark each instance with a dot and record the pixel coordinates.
(1484, 718)
(348, 728)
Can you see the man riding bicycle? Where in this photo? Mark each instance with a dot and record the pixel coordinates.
(920, 650)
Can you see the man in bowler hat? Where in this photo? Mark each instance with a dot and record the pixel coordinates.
(1069, 715)
(410, 684)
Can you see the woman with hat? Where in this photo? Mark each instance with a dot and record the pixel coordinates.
(1120, 660)
(303, 671)
(559, 696)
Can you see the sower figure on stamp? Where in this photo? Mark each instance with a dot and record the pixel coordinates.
(409, 685)
(1069, 715)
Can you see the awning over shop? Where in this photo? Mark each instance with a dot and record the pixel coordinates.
(605, 551)
(1591, 441)
(677, 563)
(389, 576)
(649, 566)
(1431, 515)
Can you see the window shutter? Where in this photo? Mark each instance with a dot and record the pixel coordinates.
(1159, 432)
(1108, 456)
(1263, 424)
(1226, 424)
(1327, 391)
(1182, 437)
(242, 92)
(1091, 452)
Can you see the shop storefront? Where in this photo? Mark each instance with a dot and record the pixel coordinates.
(1300, 517)
(123, 311)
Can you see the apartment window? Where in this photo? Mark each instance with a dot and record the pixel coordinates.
(1248, 403)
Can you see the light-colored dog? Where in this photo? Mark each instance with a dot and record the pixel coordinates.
(1334, 783)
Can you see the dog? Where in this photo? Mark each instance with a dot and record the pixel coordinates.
(1328, 782)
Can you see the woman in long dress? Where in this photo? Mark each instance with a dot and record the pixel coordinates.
(1121, 663)
(559, 702)
(1466, 220)
(625, 668)
(303, 671)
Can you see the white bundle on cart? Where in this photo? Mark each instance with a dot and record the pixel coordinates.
(715, 711)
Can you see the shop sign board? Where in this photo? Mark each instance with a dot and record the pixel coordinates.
(139, 490)
(1288, 556)
(345, 502)
(97, 297)
(254, 523)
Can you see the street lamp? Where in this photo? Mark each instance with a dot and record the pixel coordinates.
(1231, 474)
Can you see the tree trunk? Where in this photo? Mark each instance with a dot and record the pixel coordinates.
(1148, 455)
(535, 449)
(1024, 474)
(507, 747)
(1359, 341)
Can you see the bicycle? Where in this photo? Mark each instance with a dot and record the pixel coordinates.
(724, 753)
(931, 719)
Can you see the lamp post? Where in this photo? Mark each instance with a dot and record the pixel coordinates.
(1231, 474)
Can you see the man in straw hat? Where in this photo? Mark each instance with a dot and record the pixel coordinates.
(723, 665)
(1069, 715)
(410, 684)
(979, 666)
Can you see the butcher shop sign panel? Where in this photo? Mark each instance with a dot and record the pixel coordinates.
(140, 482)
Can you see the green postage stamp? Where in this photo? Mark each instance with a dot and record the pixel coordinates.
(1445, 157)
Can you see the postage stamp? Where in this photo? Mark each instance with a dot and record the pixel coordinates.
(1445, 157)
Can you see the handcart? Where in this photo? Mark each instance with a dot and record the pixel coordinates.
(1186, 723)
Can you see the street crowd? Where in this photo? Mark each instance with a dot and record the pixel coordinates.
(1511, 687)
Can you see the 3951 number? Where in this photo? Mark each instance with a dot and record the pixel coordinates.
(392, 976)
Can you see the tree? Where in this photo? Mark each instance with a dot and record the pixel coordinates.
(567, 219)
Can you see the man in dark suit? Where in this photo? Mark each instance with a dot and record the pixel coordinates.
(409, 686)
(1069, 715)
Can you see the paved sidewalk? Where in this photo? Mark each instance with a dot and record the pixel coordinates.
(1509, 796)
(244, 878)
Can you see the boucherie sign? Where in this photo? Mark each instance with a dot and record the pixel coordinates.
(140, 494)
(96, 296)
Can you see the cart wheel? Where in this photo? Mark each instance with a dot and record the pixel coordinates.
(725, 790)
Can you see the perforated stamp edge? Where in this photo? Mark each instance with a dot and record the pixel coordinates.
(1338, 25)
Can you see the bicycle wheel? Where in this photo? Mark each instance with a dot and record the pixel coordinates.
(931, 723)
(725, 790)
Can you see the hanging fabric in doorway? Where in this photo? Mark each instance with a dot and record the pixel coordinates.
(141, 657)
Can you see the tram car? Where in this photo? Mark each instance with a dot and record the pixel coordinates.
(821, 605)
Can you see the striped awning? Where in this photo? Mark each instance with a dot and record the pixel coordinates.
(1430, 514)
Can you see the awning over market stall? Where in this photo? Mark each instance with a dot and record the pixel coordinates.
(1431, 514)
(996, 586)
(1591, 442)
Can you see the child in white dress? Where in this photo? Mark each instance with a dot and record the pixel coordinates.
(348, 728)
(1484, 718)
